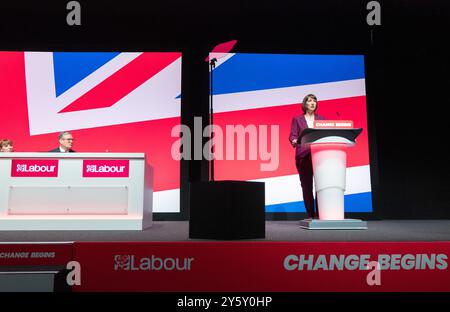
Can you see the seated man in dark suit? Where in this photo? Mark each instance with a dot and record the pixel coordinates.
(65, 139)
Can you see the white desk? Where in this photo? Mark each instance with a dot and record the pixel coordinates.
(82, 191)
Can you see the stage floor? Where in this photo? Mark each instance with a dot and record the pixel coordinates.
(386, 230)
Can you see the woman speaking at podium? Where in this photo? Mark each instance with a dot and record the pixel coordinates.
(303, 160)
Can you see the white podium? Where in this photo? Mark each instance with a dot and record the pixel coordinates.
(329, 160)
(75, 191)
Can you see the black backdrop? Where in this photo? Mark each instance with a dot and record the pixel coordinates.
(407, 69)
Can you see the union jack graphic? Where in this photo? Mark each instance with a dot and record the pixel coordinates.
(267, 89)
(110, 101)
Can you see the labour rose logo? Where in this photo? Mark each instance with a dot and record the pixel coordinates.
(122, 262)
(21, 168)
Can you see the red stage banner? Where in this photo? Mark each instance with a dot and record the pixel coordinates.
(41, 254)
(264, 266)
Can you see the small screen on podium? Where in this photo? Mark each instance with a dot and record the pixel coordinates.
(254, 109)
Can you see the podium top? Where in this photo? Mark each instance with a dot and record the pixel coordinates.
(330, 135)
(23, 155)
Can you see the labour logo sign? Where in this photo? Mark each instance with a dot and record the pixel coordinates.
(106, 168)
(41, 168)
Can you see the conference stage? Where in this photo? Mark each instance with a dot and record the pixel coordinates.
(411, 255)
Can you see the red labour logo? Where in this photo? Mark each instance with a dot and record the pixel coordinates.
(34, 168)
(108, 168)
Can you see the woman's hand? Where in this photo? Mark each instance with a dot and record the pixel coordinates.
(294, 142)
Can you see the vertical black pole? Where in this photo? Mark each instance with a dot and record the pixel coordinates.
(211, 118)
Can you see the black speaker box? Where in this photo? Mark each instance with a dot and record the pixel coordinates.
(227, 210)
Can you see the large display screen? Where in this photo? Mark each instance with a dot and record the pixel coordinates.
(111, 102)
(261, 93)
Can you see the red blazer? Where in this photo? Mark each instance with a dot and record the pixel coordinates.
(297, 126)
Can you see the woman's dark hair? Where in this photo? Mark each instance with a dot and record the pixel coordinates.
(305, 99)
